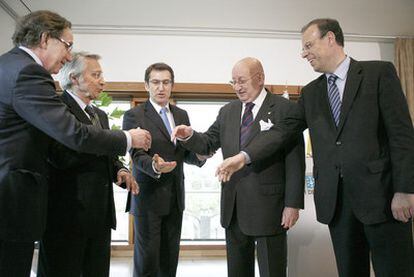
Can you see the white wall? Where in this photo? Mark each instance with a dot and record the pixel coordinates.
(6, 31)
(202, 59)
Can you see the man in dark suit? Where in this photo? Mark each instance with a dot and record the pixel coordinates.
(263, 200)
(158, 209)
(81, 209)
(363, 149)
(30, 115)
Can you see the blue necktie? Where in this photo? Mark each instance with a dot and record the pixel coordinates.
(334, 99)
(164, 117)
(247, 121)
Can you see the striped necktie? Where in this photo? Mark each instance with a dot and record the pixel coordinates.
(334, 99)
(247, 121)
(93, 116)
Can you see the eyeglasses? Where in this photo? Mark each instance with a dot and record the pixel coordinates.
(309, 45)
(68, 45)
(242, 82)
(156, 82)
(97, 74)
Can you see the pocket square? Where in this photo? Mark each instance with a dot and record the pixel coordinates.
(265, 126)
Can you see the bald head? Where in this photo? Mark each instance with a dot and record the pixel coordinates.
(248, 79)
(252, 64)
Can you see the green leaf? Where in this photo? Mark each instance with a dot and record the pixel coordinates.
(115, 127)
(117, 113)
(104, 100)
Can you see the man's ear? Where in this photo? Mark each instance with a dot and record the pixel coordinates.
(44, 38)
(74, 79)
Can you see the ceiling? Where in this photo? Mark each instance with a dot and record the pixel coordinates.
(370, 19)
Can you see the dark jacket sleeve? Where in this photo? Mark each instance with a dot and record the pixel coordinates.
(35, 100)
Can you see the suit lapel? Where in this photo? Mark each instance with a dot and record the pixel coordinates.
(353, 81)
(255, 128)
(322, 101)
(74, 108)
(102, 118)
(153, 116)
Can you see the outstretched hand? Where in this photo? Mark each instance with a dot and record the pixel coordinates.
(229, 166)
(163, 166)
(181, 132)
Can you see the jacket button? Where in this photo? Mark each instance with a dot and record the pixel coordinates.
(338, 142)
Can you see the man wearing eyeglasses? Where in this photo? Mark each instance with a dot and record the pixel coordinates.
(158, 209)
(363, 145)
(31, 114)
(262, 201)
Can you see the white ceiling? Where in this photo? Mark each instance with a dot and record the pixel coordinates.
(359, 18)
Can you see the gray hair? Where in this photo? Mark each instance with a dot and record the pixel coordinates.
(74, 68)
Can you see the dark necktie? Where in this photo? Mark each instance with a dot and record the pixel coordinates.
(93, 116)
(247, 121)
(334, 99)
(164, 117)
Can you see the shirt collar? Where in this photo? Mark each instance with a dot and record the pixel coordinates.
(32, 54)
(81, 104)
(158, 107)
(342, 70)
(259, 99)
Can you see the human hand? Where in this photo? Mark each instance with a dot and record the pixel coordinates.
(140, 138)
(289, 217)
(181, 132)
(230, 165)
(163, 166)
(402, 206)
(126, 177)
(204, 157)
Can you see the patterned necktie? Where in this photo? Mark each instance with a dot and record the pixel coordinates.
(334, 99)
(93, 116)
(247, 121)
(164, 117)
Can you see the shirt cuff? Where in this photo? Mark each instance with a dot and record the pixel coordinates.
(246, 157)
(129, 141)
(123, 169)
(157, 173)
(187, 138)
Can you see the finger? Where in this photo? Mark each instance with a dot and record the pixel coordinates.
(407, 214)
(135, 188)
(119, 179)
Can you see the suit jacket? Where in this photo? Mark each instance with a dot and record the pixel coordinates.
(80, 185)
(261, 190)
(372, 149)
(157, 193)
(30, 114)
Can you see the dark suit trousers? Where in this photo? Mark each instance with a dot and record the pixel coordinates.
(15, 258)
(157, 244)
(271, 253)
(389, 243)
(75, 255)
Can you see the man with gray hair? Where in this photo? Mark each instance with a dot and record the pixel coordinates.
(81, 210)
(30, 115)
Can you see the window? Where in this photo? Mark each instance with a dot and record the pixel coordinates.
(201, 219)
